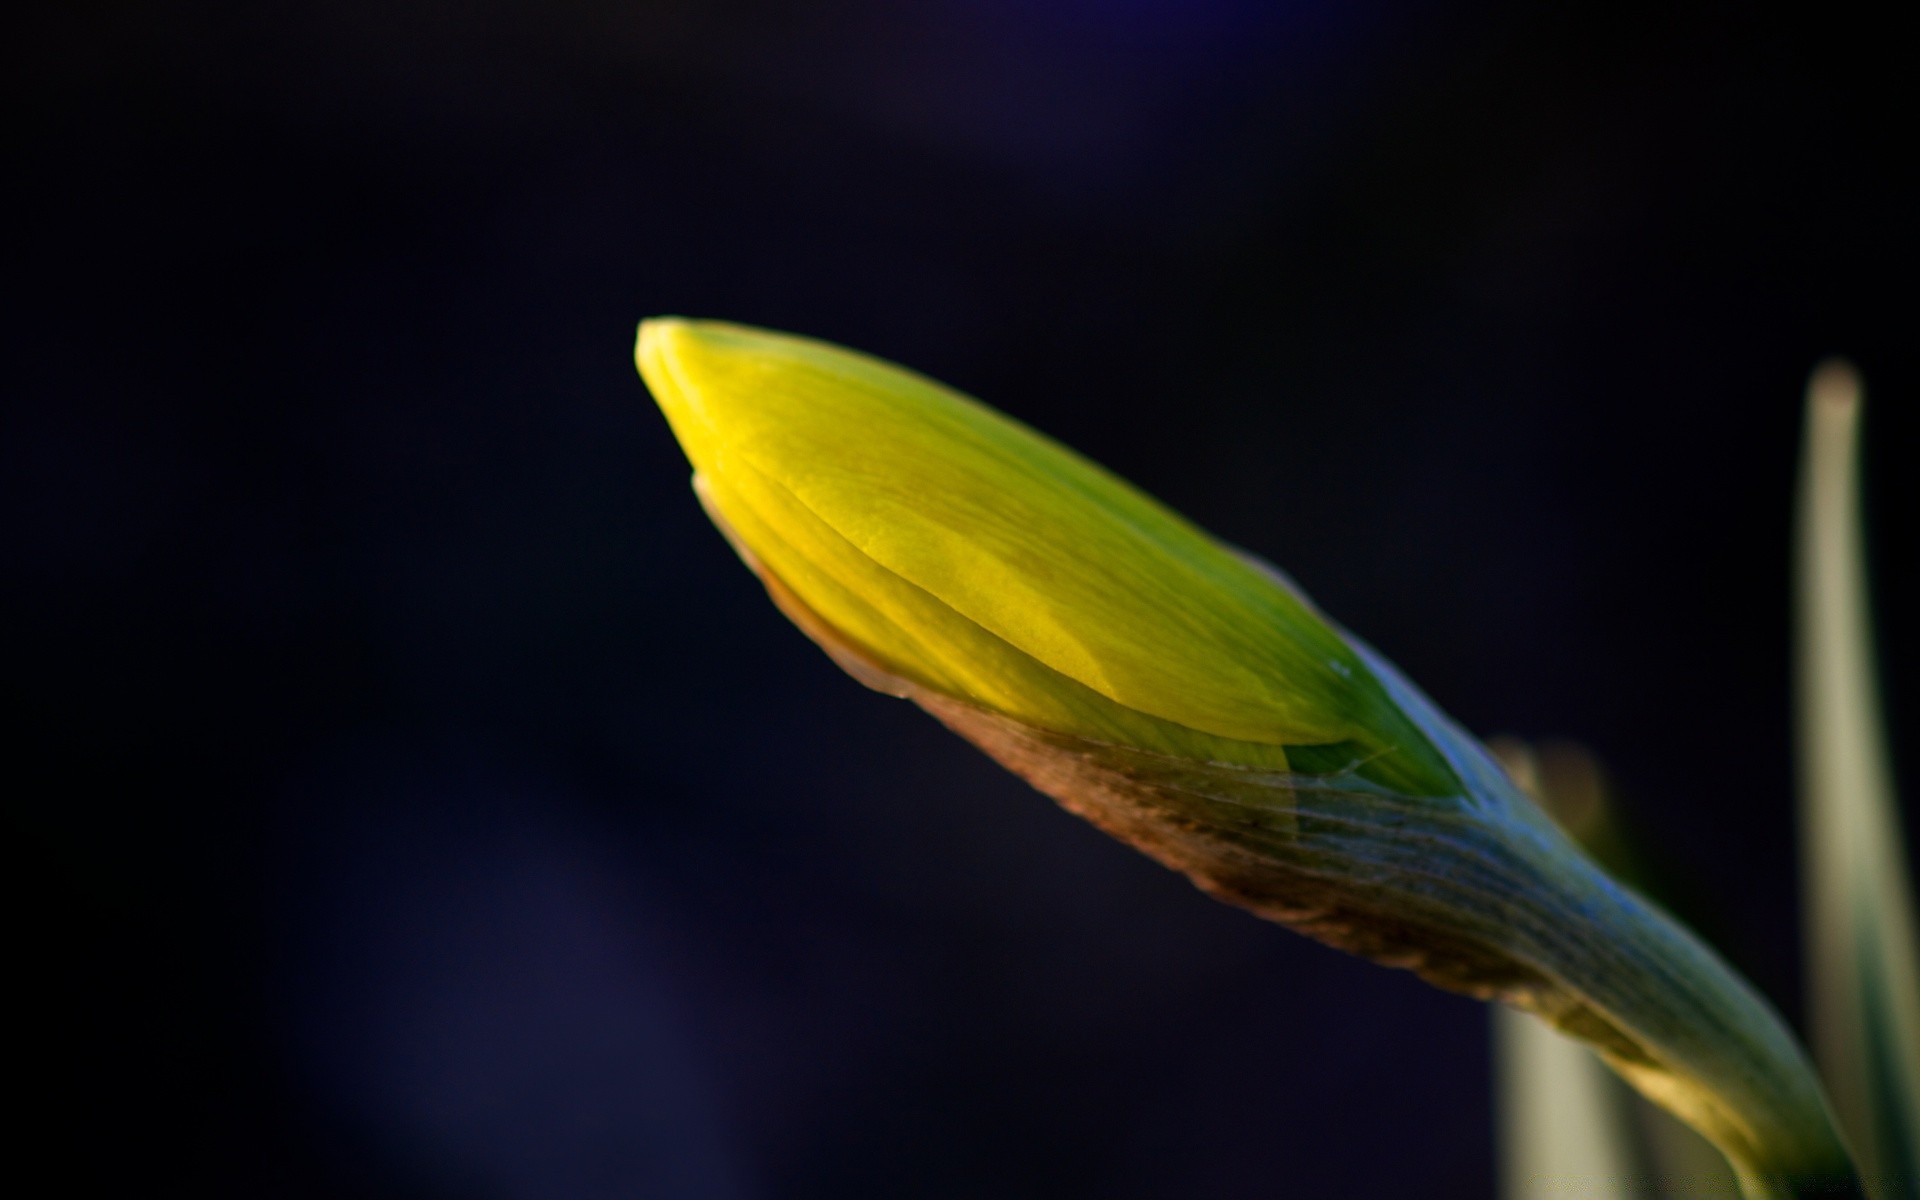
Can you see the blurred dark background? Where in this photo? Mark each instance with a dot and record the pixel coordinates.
(414, 798)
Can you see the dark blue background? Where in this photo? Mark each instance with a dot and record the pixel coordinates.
(415, 798)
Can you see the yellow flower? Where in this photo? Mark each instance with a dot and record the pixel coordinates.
(957, 549)
(1187, 700)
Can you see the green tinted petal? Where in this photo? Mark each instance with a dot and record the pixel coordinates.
(1048, 551)
(1027, 542)
(873, 610)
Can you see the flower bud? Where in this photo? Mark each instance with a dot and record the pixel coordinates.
(1190, 701)
(957, 549)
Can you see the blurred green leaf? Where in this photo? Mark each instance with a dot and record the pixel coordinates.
(1864, 973)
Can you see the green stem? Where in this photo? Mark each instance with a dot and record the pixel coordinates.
(1479, 894)
(1678, 1024)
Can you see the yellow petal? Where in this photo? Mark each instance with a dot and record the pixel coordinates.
(973, 542)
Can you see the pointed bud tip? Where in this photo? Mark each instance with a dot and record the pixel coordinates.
(679, 340)
(661, 343)
(655, 335)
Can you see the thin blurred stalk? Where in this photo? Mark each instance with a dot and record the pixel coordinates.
(1567, 1125)
(1561, 1132)
(1864, 973)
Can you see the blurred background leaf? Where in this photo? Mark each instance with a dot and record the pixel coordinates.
(1563, 1128)
(1864, 968)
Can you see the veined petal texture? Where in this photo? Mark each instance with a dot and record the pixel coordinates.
(984, 560)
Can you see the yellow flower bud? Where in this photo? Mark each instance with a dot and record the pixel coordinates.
(1188, 700)
(964, 552)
